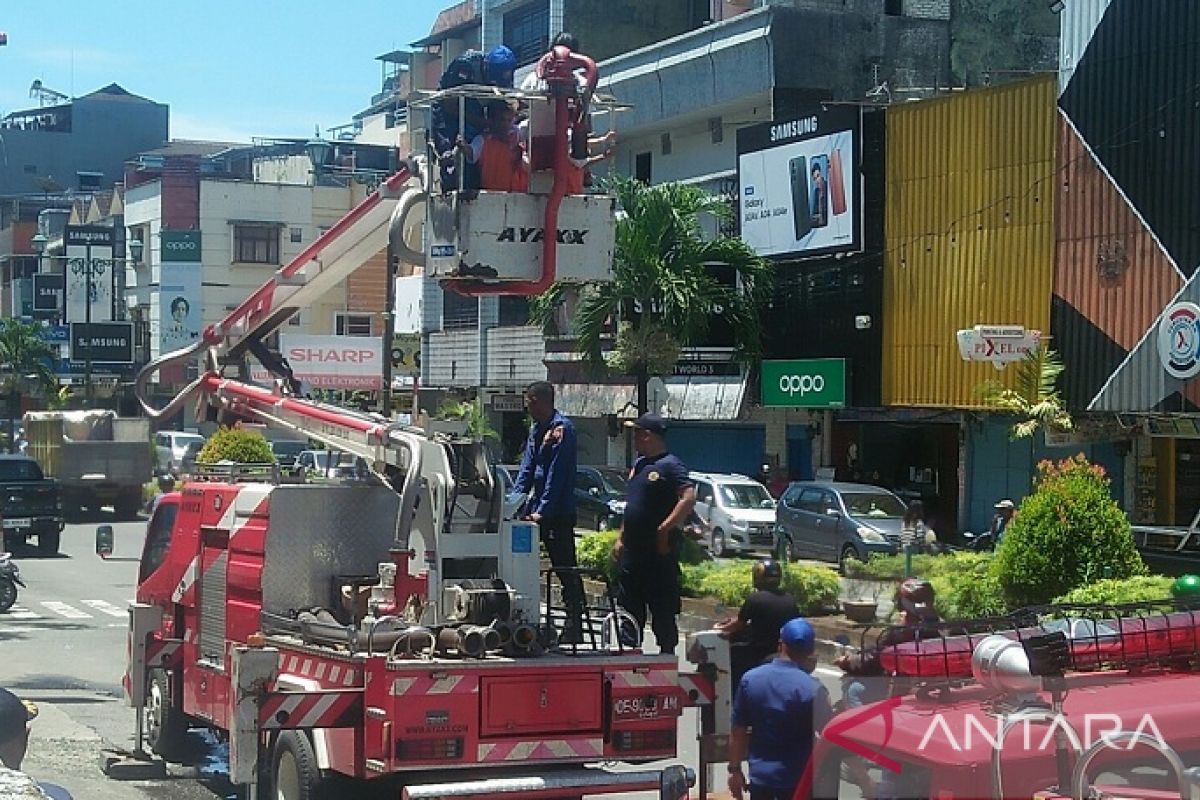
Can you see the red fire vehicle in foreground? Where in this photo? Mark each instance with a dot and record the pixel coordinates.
(390, 629)
(1065, 701)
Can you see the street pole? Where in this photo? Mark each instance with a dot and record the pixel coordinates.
(389, 330)
(87, 326)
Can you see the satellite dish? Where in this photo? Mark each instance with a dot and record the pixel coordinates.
(657, 396)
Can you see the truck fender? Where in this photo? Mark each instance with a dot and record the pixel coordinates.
(319, 736)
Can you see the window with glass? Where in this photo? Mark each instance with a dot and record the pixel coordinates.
(745, 495)
(527, 31)
(256, 244)
(353, 325)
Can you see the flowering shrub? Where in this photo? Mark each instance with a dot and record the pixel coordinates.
(1068, 533)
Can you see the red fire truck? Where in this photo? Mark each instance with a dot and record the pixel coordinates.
(1054, 702)
(394, 628)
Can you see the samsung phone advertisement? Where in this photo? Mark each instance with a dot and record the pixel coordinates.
(799, 183)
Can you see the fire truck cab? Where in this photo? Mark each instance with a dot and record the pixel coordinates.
(1057, 702)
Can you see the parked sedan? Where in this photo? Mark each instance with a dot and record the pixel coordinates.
(599, 497)
(837, 522)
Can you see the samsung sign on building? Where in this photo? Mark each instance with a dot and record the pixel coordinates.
(799, 190)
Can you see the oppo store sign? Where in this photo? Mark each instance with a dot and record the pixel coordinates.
(804, 383)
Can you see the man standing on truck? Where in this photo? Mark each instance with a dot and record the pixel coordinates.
(777, 710)
(658, 502)
(547, 476)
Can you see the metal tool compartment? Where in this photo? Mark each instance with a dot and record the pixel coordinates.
(541, 703)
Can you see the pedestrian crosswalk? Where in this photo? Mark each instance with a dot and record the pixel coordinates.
(56, 609)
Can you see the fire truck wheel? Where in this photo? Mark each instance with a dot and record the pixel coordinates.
(294, 772)
(165, 726)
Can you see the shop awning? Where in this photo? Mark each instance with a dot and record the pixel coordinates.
(688, 398)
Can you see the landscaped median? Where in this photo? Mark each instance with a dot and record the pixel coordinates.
(715, 590)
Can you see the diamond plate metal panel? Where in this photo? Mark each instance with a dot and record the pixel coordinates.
(317, 532)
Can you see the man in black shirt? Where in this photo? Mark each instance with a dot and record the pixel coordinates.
(755, 630)
(658, 501)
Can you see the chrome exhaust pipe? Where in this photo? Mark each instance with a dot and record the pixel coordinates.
(491, 637)
(505, 631)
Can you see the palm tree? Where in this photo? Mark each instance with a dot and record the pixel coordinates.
(1034, 397)
(662, 295)
(25, 356)
(24, 359)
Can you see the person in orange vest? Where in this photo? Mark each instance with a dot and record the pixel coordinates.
(499, 152)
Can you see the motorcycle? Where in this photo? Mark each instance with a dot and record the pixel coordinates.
(10, 579)
(978, 542)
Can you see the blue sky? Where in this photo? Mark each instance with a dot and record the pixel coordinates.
(229, 69)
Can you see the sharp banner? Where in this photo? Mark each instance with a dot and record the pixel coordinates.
(89, 273)
(180, 311)
(334, 362)
(799, 189)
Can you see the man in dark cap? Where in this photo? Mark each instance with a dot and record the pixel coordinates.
(658, 501)
(15, 716)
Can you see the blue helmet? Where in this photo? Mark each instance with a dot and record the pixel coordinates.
(501, 63)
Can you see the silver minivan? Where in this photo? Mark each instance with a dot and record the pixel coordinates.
(738, 513)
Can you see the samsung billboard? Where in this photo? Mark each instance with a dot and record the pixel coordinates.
(799, 186)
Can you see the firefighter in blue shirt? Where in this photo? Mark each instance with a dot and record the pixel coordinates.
(547, 476)
(659, 498)
(777, 710)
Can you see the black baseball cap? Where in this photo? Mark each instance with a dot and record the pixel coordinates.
(650, 422)
(14, 714)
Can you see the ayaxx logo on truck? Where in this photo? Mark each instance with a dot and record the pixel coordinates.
(801, 384)
(531, 235)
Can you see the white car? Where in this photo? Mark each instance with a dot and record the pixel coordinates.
(738, 513)
(170, 447)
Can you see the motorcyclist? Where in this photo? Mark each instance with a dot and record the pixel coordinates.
(1004, 514)
(865, 678)
(755, 630)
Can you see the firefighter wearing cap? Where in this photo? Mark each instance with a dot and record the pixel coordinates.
(15, 716)
(658, 501)
(755, 630)
(777, 710)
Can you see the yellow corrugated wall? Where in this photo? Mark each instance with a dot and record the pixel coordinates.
(969, 231)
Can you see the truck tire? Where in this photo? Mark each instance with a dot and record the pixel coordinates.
(48, 542)
(294, 771)
(164, 724)
(127, 504)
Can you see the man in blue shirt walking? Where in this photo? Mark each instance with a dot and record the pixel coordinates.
(777, 710)
(547, 476)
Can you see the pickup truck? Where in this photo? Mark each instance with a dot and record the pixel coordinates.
(30, 503)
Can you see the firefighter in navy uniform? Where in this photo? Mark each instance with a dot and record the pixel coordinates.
(547, 476)
(658, 501)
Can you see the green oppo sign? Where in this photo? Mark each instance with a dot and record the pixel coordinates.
(804, 383)
(181, 246)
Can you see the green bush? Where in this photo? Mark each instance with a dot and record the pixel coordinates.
(1115, 591)
(236, 445)
(966, 586)
(880, 567)
(1068, 533)
(816, 589)
(594, 551)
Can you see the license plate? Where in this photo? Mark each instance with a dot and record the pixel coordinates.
(19, 522)
(645, 707)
